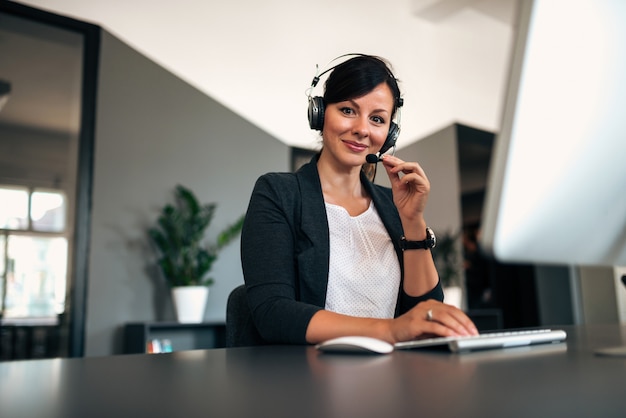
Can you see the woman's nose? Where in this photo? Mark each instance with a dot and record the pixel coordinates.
(361, 127)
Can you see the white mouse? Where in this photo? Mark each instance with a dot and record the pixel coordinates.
(355, 344)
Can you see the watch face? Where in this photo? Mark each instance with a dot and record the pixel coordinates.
(430, 235)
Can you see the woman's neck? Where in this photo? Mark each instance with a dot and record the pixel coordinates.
(343, 187)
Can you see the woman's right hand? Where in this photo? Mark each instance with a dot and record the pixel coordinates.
(431, 318)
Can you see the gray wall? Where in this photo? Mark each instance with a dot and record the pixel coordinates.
(556, 298)
(35, 158)
(578, 294)
(598, 294)
(154, 131)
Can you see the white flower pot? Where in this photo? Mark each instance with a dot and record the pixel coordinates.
(453, 295)
(190, 303)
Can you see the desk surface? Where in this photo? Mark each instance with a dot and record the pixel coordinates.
(565, 380)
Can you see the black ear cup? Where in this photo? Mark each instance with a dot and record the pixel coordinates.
(316, 113)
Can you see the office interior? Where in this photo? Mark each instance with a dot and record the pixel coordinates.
(136, 130)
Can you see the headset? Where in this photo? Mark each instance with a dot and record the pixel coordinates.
(317, 108)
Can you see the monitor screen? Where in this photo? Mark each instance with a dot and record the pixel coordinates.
(556, 191)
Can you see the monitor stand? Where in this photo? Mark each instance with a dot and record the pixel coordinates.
(619, 351)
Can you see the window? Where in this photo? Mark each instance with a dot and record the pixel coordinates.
(34, 252)
(14, 208)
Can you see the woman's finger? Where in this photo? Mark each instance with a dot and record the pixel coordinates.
(453, 319)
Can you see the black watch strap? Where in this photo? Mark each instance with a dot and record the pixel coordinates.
(426, 244)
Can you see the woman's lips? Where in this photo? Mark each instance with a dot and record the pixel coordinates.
(355, 146)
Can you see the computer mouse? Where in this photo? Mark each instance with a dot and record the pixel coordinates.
(355, 344)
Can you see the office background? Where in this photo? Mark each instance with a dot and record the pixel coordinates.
(154, 130)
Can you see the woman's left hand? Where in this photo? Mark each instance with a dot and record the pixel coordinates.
(410, 187)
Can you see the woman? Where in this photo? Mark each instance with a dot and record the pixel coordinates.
(321, 248)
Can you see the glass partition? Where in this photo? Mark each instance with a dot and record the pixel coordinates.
(49, 70)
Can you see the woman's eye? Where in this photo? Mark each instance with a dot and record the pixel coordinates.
(378, 119)
(346, 111)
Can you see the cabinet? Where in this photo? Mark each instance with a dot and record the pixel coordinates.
(142, 337)
(29, 339)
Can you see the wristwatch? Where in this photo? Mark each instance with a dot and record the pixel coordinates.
(426, 244)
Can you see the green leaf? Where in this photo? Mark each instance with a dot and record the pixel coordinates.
(178, 236)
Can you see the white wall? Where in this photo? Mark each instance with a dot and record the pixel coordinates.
(245, 53)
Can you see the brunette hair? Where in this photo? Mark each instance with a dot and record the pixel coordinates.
(358, 76)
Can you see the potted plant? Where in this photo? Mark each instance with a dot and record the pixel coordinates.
(185, 259)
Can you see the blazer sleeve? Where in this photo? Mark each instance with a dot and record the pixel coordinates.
(268, 243)
(406, 302)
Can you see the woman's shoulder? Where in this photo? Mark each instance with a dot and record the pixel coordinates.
(282, 185)
(282, 190)
(276, 179)
(307, 174)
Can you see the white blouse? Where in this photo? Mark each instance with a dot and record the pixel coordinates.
(364, 275)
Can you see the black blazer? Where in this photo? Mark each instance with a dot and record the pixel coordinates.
(285, 251)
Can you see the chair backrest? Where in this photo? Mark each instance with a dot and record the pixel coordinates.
(240, 329)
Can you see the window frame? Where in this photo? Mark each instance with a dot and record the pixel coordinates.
(30, 231)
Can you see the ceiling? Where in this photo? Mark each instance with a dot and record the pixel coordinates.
(258, 58)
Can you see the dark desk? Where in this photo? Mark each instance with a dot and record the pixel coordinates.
(565, 380)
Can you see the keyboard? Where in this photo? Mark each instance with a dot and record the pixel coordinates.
(488, 340)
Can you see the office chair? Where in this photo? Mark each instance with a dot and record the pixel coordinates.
(240, 329)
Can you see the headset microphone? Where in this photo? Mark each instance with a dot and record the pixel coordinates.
(372, 158)
(390, 142)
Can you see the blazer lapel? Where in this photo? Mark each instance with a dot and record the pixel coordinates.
(383, 200)
(313, 241)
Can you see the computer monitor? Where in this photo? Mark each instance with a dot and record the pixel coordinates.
(556, 190)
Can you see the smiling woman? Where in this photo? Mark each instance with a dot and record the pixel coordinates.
(326, 253)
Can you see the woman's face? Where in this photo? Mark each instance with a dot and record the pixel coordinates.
(357, 127)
